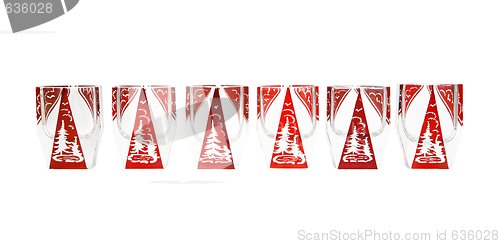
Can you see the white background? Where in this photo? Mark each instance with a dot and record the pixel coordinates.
(249, 42)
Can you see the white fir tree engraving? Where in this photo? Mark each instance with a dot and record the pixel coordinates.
(137, 142)
(152, 152)
(439, 149)
(367, 150)
(61, 142)
(295, 150)
(288, 148)
(211, 145)
(227, 154)
(213, 152)
(425, 146)
(142, 150)
(428, 151)
(66, 151)
(284, 139)
(357, 148)
(75, 151)
(353, 143)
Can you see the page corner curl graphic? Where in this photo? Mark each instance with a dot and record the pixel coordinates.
(26, 14)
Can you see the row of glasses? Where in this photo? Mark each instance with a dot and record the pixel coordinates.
(429, 123)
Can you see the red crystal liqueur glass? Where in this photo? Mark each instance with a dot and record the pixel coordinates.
(144, 121)
(217, 117)
(69, 124)
(358, 118)
(287, 117)
(430, 121)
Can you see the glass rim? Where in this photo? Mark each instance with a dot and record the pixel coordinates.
(70, 86)
(358, 86)
(214, 86)
(143, 86)
(285, 86)
(430, 84)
